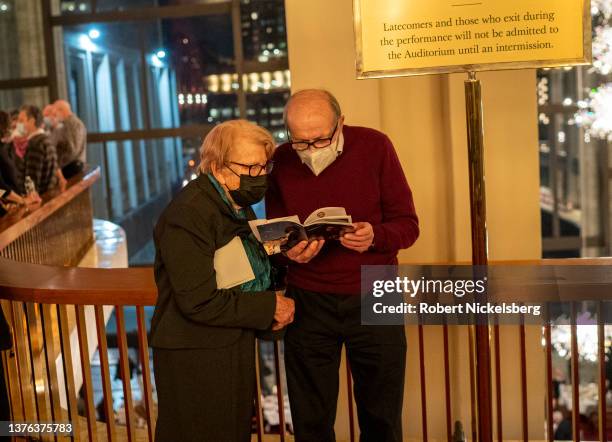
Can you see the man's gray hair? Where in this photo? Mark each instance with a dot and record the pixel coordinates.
(333, 102)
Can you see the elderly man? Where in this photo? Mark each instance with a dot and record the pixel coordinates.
(327, 163)
(32, 152)
(49, 121)
(70, 138)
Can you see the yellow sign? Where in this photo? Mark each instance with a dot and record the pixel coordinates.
(412, 37)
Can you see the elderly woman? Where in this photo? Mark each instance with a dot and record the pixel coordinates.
(203, 337)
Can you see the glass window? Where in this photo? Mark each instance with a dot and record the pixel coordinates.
(14, 98)
(139, 179)
(22, 48)
(122, 5)
(129, 80)
(575, 182)
(103, 76)
(67, 7)
(100, 189)
(191, 66)
(267, 111)
(264, 34)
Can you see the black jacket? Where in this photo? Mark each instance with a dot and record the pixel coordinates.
(191, 312)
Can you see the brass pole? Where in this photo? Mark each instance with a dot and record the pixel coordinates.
(475, 135)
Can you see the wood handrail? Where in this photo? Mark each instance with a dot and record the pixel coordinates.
(76, 285)
(132, 286)
(17, 223)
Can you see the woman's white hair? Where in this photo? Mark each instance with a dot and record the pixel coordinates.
(220, 140)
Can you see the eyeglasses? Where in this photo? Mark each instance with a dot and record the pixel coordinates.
(319, 143)
(254, 169)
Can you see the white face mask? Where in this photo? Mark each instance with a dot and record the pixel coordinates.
(317, 160)
(19, 130)
(49, 122)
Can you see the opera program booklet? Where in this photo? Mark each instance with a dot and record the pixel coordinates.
(232, 266)
(281, 234)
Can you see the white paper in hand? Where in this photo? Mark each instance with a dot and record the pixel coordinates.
(232, 266)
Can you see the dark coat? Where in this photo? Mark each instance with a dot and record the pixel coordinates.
(191, 312)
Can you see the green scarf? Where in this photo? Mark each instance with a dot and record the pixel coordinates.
(257, 256)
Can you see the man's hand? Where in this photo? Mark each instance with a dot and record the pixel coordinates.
(32, 198)
(305, 251)
(61, 181)
(361, 239)
(285, 309)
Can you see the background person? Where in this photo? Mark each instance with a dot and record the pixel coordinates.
(204, 337)
(8, 177)
(33, 154)
(49, 120)
(70, 138)
(328, 164)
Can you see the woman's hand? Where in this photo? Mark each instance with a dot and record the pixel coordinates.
(304, 251)
(285, 309)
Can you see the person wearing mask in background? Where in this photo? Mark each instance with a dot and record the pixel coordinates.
(8, 191)
(50, 127)
(329, 164)
(49, 120)
(70, 138)
(32, 152)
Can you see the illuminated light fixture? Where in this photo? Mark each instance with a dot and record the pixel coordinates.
(587, 337)
(226, 82)
(213, 83)
(82, 7)
(94, 34)
(603, 7)
(161, 54)
(561, 136)
(86, 43)
(595, 114)
(602, 50)
(198, 100)
(3, 7)
(567, 102)
(204, 99)
(156, 61)
(189, 99)
(254, 16)
(266, 79)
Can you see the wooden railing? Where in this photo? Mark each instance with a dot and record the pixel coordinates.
(55, 311)
(45, 301)
(57, 231)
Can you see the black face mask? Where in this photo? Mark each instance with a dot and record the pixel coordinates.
(252, 190)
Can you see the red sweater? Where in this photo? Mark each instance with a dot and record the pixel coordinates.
(366, 179)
